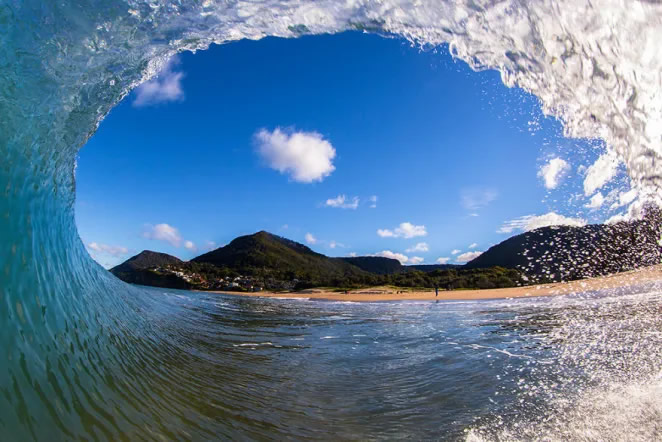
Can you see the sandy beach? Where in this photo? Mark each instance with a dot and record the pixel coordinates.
(371, 294)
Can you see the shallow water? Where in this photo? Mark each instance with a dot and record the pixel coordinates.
(217, 366)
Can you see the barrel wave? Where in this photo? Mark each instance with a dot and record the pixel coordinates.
(85, 356)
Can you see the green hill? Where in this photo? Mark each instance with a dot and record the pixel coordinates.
(428, 268)
(562, 253)
(147, 259)
(139, 269)
(376, 264)
(267, 261)
(266, 255)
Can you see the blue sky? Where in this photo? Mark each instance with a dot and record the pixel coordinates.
(351, 143)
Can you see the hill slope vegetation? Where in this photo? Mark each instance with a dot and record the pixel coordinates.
(562, 253)
(267, 261)
(270, 256)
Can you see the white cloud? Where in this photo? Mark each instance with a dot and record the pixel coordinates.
(341, 202)
(305, 156)
(468, 256)
(596, 201)
(405, 230)
(601, 172)
(473, 245)
(443, 260)
(209, 245)
(388, 254)
(618, 218)
(624, 198)
(614, 199)
(352, 254)
(455, 251)
(190, 246)
(166, 86)
(163, 232)
(552, 172)
(532, 222)
(373, 201)
(414, 260)
(420, 247)
(310, 238)
(333, 244)
(474, 199)
(110, 250)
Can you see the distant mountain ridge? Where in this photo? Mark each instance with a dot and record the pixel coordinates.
(546, 254)
(562, 253)
(427, 268)
(389, 266)
(135, 270)
(146, 259)
(376, 264)
(264, 256)
(264, 251)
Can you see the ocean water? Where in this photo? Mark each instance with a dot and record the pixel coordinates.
(225, 367)
(85, 356)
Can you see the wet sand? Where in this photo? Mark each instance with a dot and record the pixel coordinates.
(648, 274)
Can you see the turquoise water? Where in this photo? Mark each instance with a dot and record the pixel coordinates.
(85, 356)
(206, 366)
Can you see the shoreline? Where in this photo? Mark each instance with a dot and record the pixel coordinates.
(374, 294)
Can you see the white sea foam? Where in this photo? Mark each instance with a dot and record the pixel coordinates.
(623, 412)
(602, 382)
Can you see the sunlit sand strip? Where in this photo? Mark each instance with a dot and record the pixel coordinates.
(618, 280)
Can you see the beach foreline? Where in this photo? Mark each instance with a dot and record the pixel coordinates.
(376, 294)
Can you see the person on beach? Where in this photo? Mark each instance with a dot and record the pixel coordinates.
(436, 290)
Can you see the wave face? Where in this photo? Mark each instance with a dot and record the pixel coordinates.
(85, 355)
